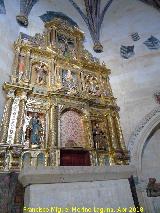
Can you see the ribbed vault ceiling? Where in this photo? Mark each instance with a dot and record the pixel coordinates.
(92, 12)
(154, 3)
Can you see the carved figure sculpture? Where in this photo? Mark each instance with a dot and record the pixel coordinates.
(21, 67)
(92, 86)
(153, 188)
(36, 129)
(99, 138)
(41, 74)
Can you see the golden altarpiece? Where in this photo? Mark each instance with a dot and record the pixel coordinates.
(59, 99)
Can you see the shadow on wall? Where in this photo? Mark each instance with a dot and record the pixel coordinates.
(11, 193)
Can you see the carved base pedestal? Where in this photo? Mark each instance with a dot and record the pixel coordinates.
(77, 187)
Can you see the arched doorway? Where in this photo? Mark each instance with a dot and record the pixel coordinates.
(144, 146)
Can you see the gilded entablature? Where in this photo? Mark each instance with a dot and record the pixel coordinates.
(59, 100)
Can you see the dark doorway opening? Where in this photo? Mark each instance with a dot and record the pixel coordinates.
(71, 157)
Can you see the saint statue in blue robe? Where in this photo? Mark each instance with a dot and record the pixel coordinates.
(36, 129)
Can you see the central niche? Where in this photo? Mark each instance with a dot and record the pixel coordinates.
(71, 129)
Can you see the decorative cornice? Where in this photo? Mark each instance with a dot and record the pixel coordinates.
(140, 126)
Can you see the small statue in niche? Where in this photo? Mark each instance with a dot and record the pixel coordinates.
(71, 48)
(69, 76)
(21, 67)
(99, 138)
(73, 53)
(106, 91)
(66, 46)
(41, 74)
(94, 86)
(62, 44)
(36, 130)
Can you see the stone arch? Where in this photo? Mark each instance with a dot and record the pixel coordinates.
(26, 159)
(41, 159)
(80, 112)
(140, 136)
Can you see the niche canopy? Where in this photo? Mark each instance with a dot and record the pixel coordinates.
(59, 106)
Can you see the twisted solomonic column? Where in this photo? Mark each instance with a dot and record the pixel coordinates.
(118, 152)
(120, 137)
(20, 118)
(113, 137)
(6, 117)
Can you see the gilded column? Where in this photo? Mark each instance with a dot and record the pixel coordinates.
(109, 86)
(27, 67)
(107, 135)
(6, 117)
(14, 75)
(82, 84)
(119, 131)
(112, 132)
(53, 127)
(48, 37)
(52, 75)
(58, 82)
(51, 36)
(87, 131)
(20, 118)
(119, 155)
(53, 136)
